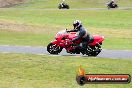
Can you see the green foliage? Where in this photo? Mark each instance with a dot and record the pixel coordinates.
(73, 3)
(34, 71)
(105, 19)
(115, 25)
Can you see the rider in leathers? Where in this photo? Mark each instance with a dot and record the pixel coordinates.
(112, 3)
(82, 34)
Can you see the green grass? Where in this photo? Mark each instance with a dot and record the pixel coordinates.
(105, 19)
(42, 39)
(118, 43)
(72, 3)
(11, 38)
(34, 71)
(37, 27)
(115, 25)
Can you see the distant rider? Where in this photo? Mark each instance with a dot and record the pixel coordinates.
(63, 3)
(78, 27)
(112, 3)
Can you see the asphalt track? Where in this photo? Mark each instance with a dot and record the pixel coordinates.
(120, 8)
(40, 50)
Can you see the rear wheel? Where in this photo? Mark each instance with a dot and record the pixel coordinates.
(54, 49)
(94, 53)
(94, 50)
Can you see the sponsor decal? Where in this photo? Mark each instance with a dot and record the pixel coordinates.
(83, 78)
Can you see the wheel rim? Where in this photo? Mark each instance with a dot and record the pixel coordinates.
(53, 48)
(94, 51)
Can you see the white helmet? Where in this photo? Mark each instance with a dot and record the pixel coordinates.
(77, 24)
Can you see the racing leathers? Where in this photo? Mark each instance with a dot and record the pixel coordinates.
(82, 34)
(111, 3)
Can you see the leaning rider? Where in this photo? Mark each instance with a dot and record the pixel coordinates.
(112, 3)
(78, 27)
(63, 3)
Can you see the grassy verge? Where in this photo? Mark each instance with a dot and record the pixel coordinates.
(72, 3)
(10, 3)
(31, 39)
(42, 39)
(38, 27)
(34, 71)
(116, 19)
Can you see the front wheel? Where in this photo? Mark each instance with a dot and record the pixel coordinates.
(53, 48)
(60, 7)
(116, 6)
(67, 7)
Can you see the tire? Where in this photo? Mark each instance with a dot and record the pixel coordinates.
(116, 6)
(68, 7)
(54, 49)
(95, 53)
(97, 49)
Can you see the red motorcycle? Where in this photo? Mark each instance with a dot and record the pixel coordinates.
(62, 40)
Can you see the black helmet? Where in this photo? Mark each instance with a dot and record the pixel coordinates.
(77, 24)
